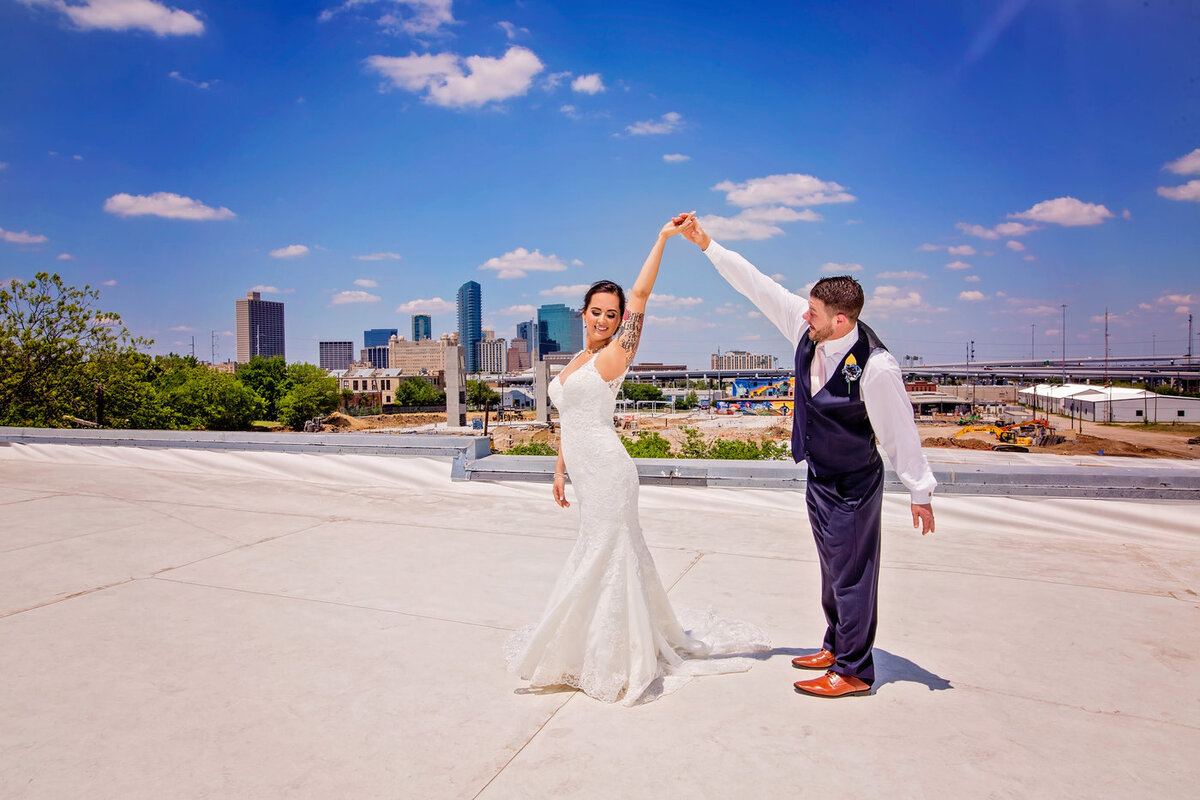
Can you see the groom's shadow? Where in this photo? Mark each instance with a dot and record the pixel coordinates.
(889, 668)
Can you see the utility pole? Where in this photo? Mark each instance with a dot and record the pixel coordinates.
(1032, 351)
(213, 346)
(1064, 344)
(1106, 383)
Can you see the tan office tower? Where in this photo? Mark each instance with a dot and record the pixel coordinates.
(259, 328)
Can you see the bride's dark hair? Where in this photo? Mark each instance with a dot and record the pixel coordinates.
(609, 288)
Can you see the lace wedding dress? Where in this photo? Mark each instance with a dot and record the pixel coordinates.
(609, 628)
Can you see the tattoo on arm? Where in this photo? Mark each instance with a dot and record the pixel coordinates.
(631, 334)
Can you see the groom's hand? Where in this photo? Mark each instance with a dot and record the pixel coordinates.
(923, 516)
(693, 232)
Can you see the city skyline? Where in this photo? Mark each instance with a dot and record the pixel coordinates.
(977, 166)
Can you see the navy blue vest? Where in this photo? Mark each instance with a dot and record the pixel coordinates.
(831, 431)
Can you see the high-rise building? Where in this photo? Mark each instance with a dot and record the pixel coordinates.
(493, 356)
(560, 329)
(259, 328)
(518, 355)
(529, 332)
(336, 355)
(377, 355)
(470, 324)
(740, 359)
(422, 325)
(378, 337)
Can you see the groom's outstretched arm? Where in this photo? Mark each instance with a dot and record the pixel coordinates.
(782, 307)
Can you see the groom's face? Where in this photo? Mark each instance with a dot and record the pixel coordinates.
(821, 321)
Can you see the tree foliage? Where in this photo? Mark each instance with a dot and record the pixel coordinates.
(312, 392)
(480, 395)
(641, 391)
(54, 343)
(268, 378)
(416, 391)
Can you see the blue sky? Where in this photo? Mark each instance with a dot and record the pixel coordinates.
(974, 164)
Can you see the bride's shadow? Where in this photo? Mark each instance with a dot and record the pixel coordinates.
(889, 668)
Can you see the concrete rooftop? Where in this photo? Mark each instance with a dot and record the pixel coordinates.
(197, 624)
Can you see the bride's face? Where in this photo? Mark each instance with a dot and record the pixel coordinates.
(601, 318)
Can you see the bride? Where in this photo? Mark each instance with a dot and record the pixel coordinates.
(609, 628)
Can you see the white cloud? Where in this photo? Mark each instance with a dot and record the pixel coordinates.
(972, 279)
(570, 111)
(885, 300)
(972, 296)
(109, 282)
(905, 275)
(379, 257)
(434, 305)
(65, 257)
(576, 290)
(1126, 214)
(516, 310)
(423, 17)
(1145, 307)
(366, 283)
(755, 223)
(1066, 211)
(958, 265)
(510, 30)
(1031, 258)
(728, 308)
(451, 81)
(588, 84)
(184, 329)
(739, 227)
(124, 15)
(1185, 165)
(671, 301)
(3, 165)
(342, 298)
(1188, 191)
(552, 80)
(291, 251)
(1013, 244)
(790, 190)
(1175, 299)
(780, 214)
(266, 289)
(77, 157)
(163, 204)
(1003, 229)
(520, 262)
(184, 79)
(778, 276)
(676, 158)
(667, 123)
(954, 250)
(24, 237)
(840, 269)
(1183, 309)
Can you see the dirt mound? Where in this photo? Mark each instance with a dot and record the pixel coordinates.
(962, 443)
(339, 420)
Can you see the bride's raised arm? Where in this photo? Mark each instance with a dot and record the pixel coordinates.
(616, 357)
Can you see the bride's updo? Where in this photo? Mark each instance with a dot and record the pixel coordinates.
(607, 287)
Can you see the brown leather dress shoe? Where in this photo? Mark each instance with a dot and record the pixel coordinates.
(821, 660)
(833, 685)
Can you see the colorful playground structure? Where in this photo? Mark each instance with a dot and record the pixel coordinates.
(759, 396)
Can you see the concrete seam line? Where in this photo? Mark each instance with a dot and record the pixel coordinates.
(521, 749)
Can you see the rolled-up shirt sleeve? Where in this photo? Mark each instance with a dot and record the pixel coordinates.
(892, 419)
(783, 308)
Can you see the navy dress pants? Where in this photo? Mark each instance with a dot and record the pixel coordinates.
(845, 514)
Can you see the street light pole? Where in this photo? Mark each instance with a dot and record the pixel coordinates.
(1064, 344)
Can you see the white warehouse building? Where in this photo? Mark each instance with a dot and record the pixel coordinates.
(1111, 403)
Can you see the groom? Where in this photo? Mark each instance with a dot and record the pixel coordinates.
(848, 392)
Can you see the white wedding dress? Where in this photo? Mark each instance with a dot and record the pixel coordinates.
(609, 628)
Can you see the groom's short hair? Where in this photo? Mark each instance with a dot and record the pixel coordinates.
(841, 294)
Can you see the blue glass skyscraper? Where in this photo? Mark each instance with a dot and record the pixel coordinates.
(559, 329)
(378, 337)
(422, 326)
(470, 323)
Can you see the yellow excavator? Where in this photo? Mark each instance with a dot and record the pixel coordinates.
(1018, 437)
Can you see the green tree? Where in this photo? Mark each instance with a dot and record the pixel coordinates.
(480, 395)
(641, 391)
(648, 445)
(531, 449)
(49, 332)
(416, 391)
(200, 398)
(270, 380)
(311, 392)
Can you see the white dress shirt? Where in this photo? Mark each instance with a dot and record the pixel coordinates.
(882, 384)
